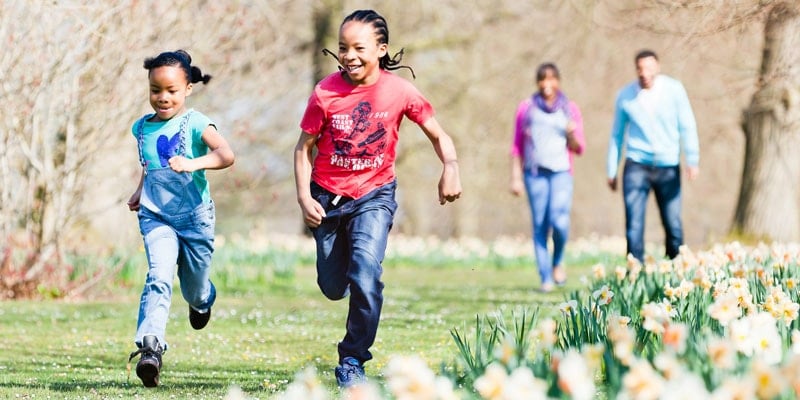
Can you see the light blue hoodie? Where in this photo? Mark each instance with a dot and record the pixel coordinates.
(654, 136)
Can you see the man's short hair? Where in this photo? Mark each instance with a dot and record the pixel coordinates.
(644, 54)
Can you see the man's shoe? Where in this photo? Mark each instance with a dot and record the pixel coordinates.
(149, 366)
(197, 319)
(349, 373)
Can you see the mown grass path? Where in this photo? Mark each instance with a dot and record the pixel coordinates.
(258, 338)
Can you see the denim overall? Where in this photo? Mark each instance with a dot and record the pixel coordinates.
(178, 229)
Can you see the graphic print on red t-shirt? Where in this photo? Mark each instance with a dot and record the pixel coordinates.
(357, 130)
(358, 144)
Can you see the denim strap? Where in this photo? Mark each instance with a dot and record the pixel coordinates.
(140, 136)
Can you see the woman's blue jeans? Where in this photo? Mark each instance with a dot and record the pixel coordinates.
(351, 243)
(550, 197)
(665, 182)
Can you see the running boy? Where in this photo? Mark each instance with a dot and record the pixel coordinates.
(347, 192)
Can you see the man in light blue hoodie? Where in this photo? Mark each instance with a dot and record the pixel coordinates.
(653, 120)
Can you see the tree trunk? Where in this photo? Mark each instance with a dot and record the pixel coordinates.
(769, 197)
(325, 16)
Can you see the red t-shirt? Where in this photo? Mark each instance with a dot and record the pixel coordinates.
(357, 129)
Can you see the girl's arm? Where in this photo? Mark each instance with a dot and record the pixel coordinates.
(221, 155)
(133, 202)
(450, 182)
(312, 210)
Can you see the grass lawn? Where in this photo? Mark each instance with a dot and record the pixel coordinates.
(259, 336)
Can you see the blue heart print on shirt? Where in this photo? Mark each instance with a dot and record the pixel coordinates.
(166, 148)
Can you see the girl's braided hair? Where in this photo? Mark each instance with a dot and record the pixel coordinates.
(382, 32)
(177, 58)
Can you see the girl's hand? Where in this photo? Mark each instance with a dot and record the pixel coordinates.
(313, 213)
(450, 183)
(181, 164)
(133, 202)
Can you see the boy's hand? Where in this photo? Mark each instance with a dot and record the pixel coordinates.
(450, 183)
(313, 213)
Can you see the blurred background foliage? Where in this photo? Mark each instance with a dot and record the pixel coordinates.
(72, 83)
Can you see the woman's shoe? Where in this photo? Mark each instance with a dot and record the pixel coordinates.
(559, 276)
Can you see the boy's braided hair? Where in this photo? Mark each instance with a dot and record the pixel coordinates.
(382, 32)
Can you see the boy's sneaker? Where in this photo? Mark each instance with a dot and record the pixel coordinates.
(349, 373)
(197, 319)
(149, 366)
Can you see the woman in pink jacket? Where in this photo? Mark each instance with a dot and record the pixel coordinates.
(548, 134)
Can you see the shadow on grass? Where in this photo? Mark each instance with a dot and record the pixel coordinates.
(173, 383)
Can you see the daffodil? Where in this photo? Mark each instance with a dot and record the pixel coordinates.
(642, 382)
(408, 378)
(575, 378)
(603, 295)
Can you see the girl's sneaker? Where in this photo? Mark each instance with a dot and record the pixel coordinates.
(349, 373)
(149, 366)
(198, 319)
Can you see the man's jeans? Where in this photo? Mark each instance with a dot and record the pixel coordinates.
(550, 197)
(638, 180)
(351, 243)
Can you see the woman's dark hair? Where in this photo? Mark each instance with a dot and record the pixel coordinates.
(541, 72)
(382, 32)
(644, 54)
(178, 58)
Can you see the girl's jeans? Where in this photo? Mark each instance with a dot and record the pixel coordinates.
(637, 181)
(351, 243)
(178, 230)
(550, 197)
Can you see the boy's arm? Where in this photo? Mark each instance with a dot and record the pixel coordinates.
(450, 182)
(312, 210)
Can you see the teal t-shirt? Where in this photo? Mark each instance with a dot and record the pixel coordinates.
(161, 140)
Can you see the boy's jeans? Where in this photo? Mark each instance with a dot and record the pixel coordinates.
(180, 234)
(638, 179)
(550, 197)
(351, 243)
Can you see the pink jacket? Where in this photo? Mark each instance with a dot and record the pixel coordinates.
(521, 125)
